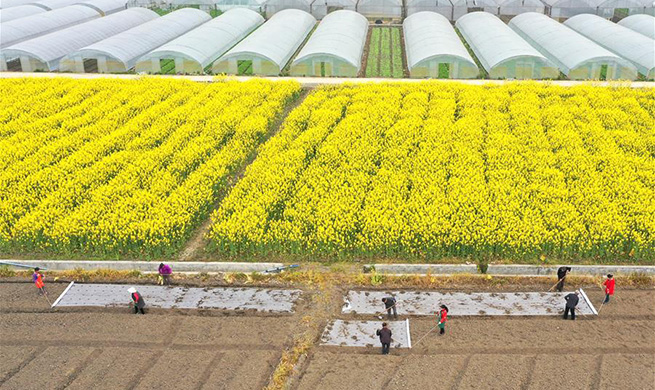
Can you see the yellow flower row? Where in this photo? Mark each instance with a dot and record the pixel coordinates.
(116, 167)
(437, 170)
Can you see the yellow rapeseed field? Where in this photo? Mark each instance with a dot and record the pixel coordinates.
(119, 166)
(437, 170)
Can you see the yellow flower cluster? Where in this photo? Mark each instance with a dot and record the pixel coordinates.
(437, 170)
(110, 167)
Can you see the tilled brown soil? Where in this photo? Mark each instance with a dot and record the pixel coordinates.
(615, 350)
(42, 349)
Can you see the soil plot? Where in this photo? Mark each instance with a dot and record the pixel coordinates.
(223, 298)
(362, 333)
(465, 304)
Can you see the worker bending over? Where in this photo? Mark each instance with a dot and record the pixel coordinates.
(571, 302)
(390, 303)
(137, 299)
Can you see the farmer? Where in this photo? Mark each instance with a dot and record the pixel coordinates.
(139, 303)
(571, 302)
(561, 275)
(609, 287)
(164, 274)
(390, 303)
(385, 338)
(37, 278)
(443, 317)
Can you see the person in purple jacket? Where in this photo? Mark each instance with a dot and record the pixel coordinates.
(165, 274)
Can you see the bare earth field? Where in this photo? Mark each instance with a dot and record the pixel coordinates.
(114, 349)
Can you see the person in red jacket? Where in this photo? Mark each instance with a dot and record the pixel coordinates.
(443, 316)
(609, 287)
(137, 299)
(37, 278)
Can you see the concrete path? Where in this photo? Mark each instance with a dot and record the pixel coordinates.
(222, 298)
(511, 270)
(464, 304)
(316, 81)
(145, 266)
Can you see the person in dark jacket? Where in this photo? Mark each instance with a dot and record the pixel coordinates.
(390, 303)
(561, 275)
(137, 298)
(571, 302)
(385, 338)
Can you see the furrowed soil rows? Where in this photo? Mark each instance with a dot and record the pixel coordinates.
(169, 349)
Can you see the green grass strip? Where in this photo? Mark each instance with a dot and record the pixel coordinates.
(397, 52)
(373, 53)
(385, 53)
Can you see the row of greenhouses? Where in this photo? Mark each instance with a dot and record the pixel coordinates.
(240, 41)
(399, 9)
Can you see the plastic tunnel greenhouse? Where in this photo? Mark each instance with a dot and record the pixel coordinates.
(105, 7)
(18, 12)
(501, 51)
(380, 9)
(616, 10)
(518, 7)
(643, 24)
(44, 53)
(54, 4)
(335, 48)
(434, 50)
(226, 5)
(634, 47)
(442, 7)
(269, 48)
(197, 49)
(120, 52)
(575, 55)
(320, 8)
(564, 9)
(464, 7)
(22, 29)
(271, 7)
(4, 4)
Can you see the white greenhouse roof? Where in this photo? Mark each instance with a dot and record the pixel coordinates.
(54, 4)
(278, 39)
(52, 47)
(493, 41)
(22, 29)
(340, 34)
(637, 48)
(105, 7)
(573, 3)
(474, 3)
(212, 39)
(18, 12)
(13, 3)
(643, 24)
(563, 46)
(429, 35)
(128, 46)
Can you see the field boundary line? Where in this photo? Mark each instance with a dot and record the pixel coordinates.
(531, 365)
(80, 367)
(62, 294)
(461, 372)
(139, 375)
(207, 372)
(28, 359)
(409, 335)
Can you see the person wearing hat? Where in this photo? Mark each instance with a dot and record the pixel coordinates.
(385, 338)
(571, 302)
(139, 303)
(165, 274)
(389, 304)
(609, 287)
(561, 275)
(37, 279)
(443, 317)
